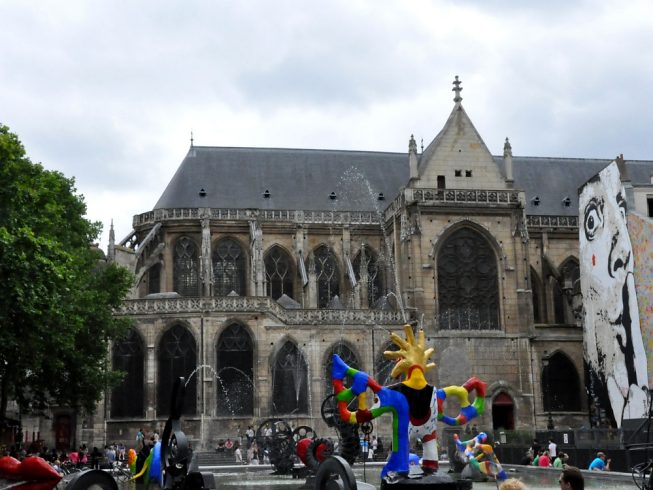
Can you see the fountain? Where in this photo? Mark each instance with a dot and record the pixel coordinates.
(416, 407)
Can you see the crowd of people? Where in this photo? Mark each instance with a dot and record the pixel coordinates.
(81, 457)
(549, 456)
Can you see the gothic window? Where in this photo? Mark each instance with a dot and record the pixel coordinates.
(186, 268)
(328, 276)
(536, 288)
(560, 384)
(228, 268)
(289, 381)
(374, 275)
(154, 279)
(235, 370)
(278, 273)
(383, 366)
(468, 289)
(346, 355)
(566, 290)
(127, 356)
(177, 356)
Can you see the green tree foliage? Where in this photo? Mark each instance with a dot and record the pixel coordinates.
(57, 291)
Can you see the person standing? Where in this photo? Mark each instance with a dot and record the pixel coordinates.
(571, 479)
(140, 438)
(553, 449)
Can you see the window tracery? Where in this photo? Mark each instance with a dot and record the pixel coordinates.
(468, 290)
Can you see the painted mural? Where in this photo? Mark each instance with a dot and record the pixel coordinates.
(614, 350)
(640, 229)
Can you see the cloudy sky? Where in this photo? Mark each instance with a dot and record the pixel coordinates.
(108, 92)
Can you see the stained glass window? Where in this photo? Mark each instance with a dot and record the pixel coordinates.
(278, 273)
(560, 384)
(468, 290)
(374, 275)
(383, 366)
(289, 381)
(127, 356)
(186, 268)
(235, 368)
(328, 276)
(177, 356)
(228, 268)
(347, 355)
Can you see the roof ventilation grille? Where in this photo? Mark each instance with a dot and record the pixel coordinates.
(381, 196)
(202, 192)
(566, 202)
(536, 201)
(333, 196)
(266, 194)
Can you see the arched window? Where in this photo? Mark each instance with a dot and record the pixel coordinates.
(503, 412)
(228, 268)
(186, 267)
(347, 355)
(373, 272)
(235, 370)
(560, 384)
(289, 381)
(177, 357)
(383, 366)
(327, 274)
(536, 288)
(127, 356)
(468, 289)
(154, 279)
(278, 273)
(565, 289)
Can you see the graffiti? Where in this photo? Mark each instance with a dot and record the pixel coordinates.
(641, 232)
(614, 350)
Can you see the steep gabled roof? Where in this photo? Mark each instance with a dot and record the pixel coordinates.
(295, 179)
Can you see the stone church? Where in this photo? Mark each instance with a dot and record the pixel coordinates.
(257, 264)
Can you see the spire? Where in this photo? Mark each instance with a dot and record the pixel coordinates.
(112, 243)
(507, 161)
(412, 158)
(191, 138)
(412, 144)
(457, 88)
(507, 148)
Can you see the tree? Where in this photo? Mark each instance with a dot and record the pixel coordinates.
(57, 291)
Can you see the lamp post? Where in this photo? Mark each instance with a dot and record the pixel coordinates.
(547, 393)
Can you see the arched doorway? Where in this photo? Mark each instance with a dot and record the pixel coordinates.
(503, 412)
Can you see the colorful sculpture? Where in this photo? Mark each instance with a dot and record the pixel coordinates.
(481, 456)
(415, 405)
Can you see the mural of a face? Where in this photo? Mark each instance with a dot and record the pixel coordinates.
(613, 341)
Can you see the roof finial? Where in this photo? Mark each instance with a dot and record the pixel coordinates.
(191, 138)
(457, 89)
(507, 148)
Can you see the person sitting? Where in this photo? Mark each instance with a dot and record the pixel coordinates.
(560, 461)
(600, 463)
(544, 461)
(527, 460)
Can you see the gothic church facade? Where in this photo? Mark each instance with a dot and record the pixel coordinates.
(256, 265)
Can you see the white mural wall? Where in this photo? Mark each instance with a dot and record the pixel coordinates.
(614, 351)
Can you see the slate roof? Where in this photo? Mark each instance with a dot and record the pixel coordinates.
(304, 179)
(295, 179)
